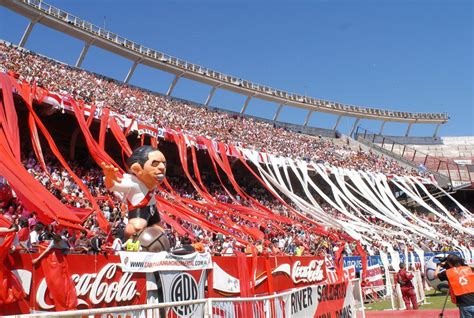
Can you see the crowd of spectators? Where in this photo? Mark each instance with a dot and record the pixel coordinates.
(297, 238)
(156, 109)
(59, 183)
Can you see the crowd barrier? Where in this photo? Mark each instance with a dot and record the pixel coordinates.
(312, 301)
(136, 311)
(134, 284)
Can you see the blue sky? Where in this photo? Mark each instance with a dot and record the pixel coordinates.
(405, 55)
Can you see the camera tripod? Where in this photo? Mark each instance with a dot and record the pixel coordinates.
(441, 315)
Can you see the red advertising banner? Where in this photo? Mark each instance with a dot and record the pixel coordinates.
(374, 277)
(286, 272)
(99, 282)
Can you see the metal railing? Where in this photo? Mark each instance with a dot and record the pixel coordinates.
(148, 310)
(457, 174)
(278, 305)
(188, 67)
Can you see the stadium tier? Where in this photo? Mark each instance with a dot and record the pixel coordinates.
(159, 111)
(329, 203)
(43, 13)
(449, 158)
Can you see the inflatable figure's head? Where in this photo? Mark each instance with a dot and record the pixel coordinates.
(148, 164)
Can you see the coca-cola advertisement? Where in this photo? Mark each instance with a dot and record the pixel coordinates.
(270, 274)
(98, 279)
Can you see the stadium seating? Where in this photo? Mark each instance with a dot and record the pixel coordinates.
(277, 236)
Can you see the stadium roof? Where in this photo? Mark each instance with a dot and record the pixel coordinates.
(40, 12)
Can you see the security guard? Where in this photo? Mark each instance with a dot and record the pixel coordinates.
(132, 244)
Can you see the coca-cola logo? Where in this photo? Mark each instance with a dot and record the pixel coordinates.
(313, 272)
(95, 288)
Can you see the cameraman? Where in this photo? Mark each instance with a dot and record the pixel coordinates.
(461, 283)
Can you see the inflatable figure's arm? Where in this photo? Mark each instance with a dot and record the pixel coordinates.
(111, 175)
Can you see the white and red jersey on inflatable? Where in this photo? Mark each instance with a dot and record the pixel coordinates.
(134, 192)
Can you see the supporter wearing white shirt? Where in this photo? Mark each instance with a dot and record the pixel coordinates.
(227, 247)
(117, 244)
(228, 251)
(106, 210)
(34, 235)
(281, 243)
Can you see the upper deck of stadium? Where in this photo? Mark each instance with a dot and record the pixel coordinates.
(92, 35)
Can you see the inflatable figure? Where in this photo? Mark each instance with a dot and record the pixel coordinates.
(147, 167)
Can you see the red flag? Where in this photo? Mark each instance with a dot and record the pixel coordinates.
(245, 285)
(339, 261)
(60, 285)
(363, 257)
(32, 194)
(104, 120)
(4, 222)
(11, 290)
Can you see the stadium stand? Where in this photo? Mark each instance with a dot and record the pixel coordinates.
(149, 107)
(157, 109)
(449, 158)
(53, 17)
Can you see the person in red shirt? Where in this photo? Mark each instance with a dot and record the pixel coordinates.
(408, 291)
(23, 234)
